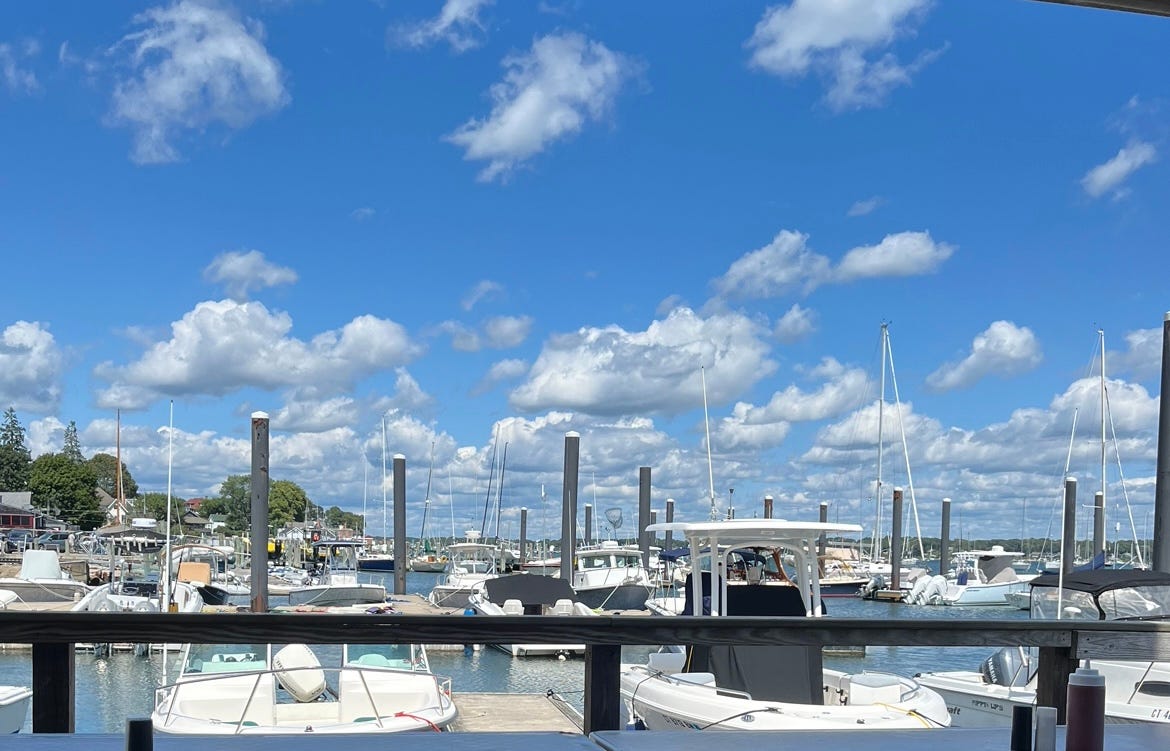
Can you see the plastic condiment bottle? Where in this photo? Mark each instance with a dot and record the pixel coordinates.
(1086, 711)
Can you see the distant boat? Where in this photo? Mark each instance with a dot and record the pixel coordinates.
(525, 594)
(41, 579)
(335, 582)
(611, 576)
(472, 563)
(14, 703)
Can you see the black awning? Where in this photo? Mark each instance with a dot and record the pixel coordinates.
(529, 589)
(1103, 580)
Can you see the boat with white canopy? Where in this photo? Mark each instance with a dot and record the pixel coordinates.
(764, 687)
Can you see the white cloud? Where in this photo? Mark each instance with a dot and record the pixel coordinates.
(795, 324)
(458, 24)
(315, 415)
(31, 367)
(18, 79)
(499, 372)
(901, 254)
(669, 303)
(194, 65)
(240, 272)
(1109, 176)
(505, 332)
(408, 394)
(463, 337)
(547, 94)
(1004, 349)
(362, 214)
(220, 347)
(867, 206)
(783, 265)
(484, 289)
(610, 371)
(1142, 355)
(836, 40)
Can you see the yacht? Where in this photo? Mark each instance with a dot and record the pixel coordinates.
(1135, 691)
(242, 689)
(611, 577)
(334, 578)
(41, 579)
(984, 577)
(764, 687)
(472, 563)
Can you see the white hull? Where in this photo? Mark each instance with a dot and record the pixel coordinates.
(14, 703)
(982, 594)
(324, 595)
(690, 701)
(45, 590)
(975, 703)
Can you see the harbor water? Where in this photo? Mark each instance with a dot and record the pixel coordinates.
(110, 689)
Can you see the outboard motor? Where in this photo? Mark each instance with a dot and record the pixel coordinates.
(915, 596)
(1007, 667)
(871, 586)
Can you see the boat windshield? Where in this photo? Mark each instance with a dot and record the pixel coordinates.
(225, 658)
(401, 656)
(1113, 604)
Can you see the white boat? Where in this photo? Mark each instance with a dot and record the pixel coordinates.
(41, 579)
(14, 702)
(472, 563)
(1135, 691)
(144, 596)
(242, 689)
(429, 563)
(208, 568)
(334, 581)
(1019, 600)
(765, 687)
(983, 577)
(529, 594)
(611, 576)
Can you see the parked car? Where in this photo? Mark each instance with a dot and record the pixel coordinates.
(18, 539)
(52, 541)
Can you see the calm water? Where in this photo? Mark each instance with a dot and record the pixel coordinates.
(110, 689)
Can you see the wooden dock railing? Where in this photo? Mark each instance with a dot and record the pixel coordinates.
(1061, 643)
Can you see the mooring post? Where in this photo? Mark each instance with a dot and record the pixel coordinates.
(644, 514)
(1056, 665)
(1161, 552)
(944, 545)
(53, 706)
(1068, 541)
(603, 695)
(258, 536)
(822, 539)
(401, 560)
(569, 504)
(523, 536)
(669, 542)
(896, 542)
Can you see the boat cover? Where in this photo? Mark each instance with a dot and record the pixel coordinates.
(530, 589)
(1103, 580)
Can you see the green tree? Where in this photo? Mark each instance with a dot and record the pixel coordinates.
(287, 502)
(72, 446)
(15, 459)
(105, 469)
(65, 489)
(236, 496)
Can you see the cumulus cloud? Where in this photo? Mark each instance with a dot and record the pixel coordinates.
(31, 367)
(610, 371)
(844, 42)
(795, 324)
(1110, 176)
(548, 94)
(239, 272)
(1142, 354)
(220, 347)
(458, 24)
(500, 332)
(15, 77)
(362, 214)
(500, 372)
(484, 289)
(867, 206)
(194, 65)
(788, 264)
(1004, 349)
(901, 254)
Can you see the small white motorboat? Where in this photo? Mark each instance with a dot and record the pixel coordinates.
(14, 702)
(530, 594)
(242, 689)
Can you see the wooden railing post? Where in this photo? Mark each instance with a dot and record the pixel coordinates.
(53, 708)
(603, 695)
(1056, 665)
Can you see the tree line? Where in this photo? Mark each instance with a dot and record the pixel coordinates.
(65, 485)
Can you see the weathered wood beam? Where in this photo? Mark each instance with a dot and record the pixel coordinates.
(53, 709)
(603, 695)
(1056, 665)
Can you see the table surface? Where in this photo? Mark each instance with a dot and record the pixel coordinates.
(1117, 738)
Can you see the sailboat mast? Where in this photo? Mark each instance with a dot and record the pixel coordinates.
(707, 428)
(1101, 335)
(121, 502)
(877, 494)
(422, 533)
(385, 528)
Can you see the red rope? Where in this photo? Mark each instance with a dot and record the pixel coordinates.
(434, 727)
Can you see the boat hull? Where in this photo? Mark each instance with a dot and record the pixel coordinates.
(621, 597)
(332, 595)
(14, 703)
(375, 564)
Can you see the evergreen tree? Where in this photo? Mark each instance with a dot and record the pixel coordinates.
(72, 447)
(14, 455)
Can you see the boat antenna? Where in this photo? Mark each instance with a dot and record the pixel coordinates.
(422, 533)
(707, 428)
(491, 476)
(385, 528)
(166, 593)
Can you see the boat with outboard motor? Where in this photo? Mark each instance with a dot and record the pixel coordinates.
(472, 563)
(243, 689)
(1135, 691)
(333, 579)
(764, 687)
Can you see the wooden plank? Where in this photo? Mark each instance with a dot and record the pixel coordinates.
(603, 695)
(1056, 665)
(53, 706)
(506, 713)
(1116, 645)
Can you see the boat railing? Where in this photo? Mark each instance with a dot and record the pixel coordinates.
(1061, 644)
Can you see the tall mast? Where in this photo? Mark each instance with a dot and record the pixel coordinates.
(707, 428)
(120, 503)
(385, 528)
(1101, 335)
(877, 495)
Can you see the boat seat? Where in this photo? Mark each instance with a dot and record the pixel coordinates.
(562, 607)
(391, 692)
(666, 662)
(224, 699)
(513, 607)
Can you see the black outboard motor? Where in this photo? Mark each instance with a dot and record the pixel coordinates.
(1007, 667)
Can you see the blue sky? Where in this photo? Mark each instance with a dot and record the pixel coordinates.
(520, 220)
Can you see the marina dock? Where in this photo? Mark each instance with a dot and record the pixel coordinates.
(506, 713)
